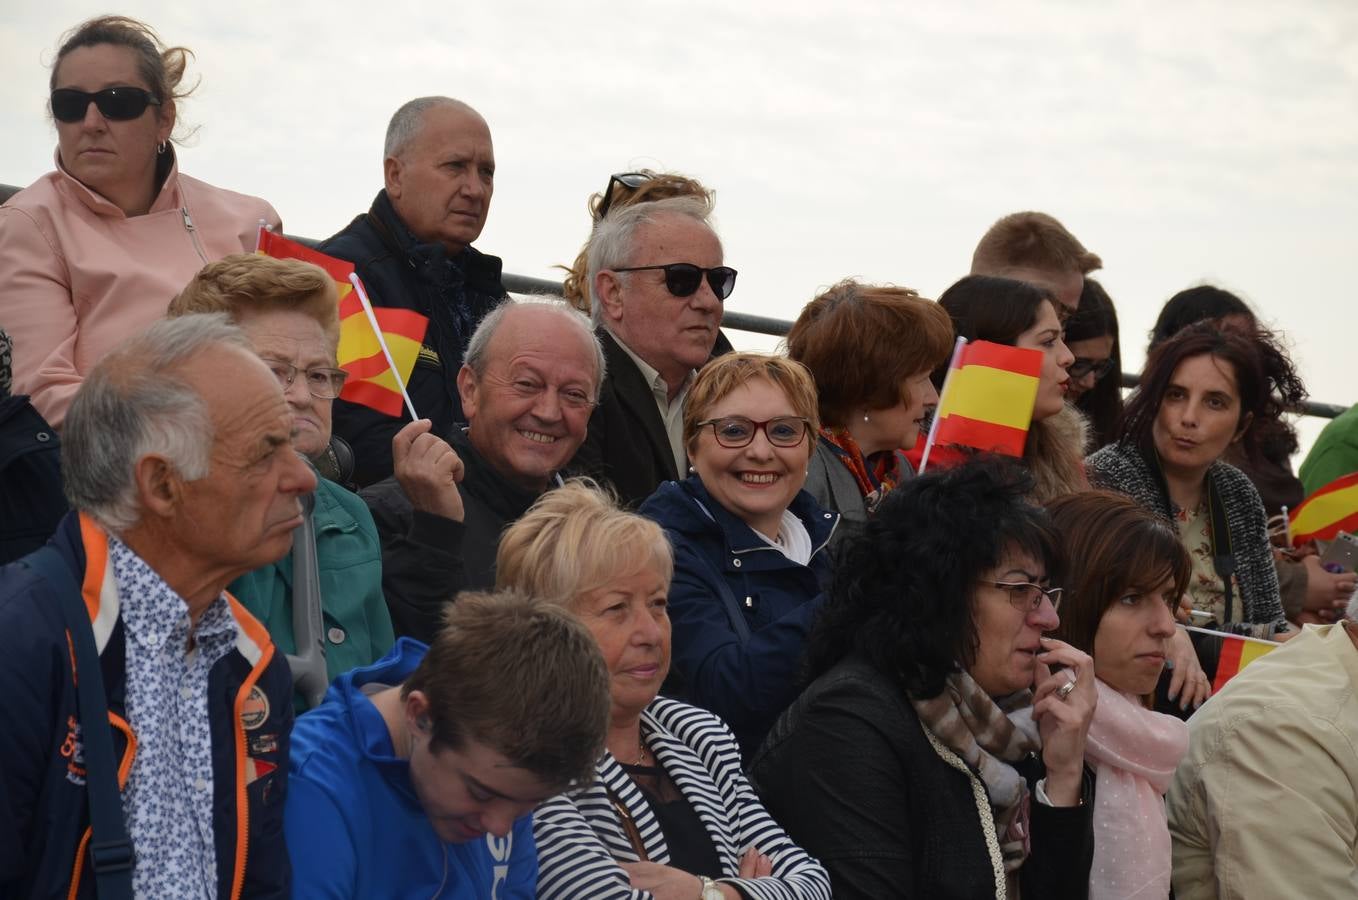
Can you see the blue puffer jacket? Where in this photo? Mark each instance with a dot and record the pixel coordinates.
(44, 811)
(723, 569)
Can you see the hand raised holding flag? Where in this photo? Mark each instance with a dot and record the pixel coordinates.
(428, 470)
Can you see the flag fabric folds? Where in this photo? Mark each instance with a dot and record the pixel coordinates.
(1328, 511)
(1236, 653)
(988, 398)
(372, 382)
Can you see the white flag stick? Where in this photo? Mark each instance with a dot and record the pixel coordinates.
(381, 342)
(1223, 634)
(942, 395)
(1287, 529)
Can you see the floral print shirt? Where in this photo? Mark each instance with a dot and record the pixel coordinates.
(168, 799)
(1205, 587)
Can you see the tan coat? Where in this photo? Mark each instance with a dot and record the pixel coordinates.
(1265, 804)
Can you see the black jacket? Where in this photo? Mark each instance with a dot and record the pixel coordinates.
(31, 501)
(627, 446)
(426, 558)
(400, 272)
(850, 774)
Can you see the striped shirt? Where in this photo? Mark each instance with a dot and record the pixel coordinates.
(581, 839)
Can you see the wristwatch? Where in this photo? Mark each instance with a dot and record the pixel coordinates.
(710, 889)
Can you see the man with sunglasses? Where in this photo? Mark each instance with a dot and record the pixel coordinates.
(413, 251)
(657, 284)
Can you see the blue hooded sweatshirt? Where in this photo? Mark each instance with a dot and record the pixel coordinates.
(354, 825)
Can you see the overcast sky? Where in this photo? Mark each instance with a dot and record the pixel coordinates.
(1184, 142)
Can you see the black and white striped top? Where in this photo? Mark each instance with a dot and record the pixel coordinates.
(581, 840)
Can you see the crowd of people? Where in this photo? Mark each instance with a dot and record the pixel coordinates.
(628, 613)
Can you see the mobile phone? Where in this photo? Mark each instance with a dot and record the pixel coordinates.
(1342, 554)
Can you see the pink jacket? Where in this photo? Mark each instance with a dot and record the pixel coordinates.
(77, 276)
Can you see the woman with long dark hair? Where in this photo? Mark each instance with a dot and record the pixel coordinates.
(1096, 375)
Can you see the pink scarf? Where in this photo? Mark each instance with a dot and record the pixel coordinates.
(1134, 752)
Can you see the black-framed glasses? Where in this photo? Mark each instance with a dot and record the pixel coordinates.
(323, 383)
(1026, 596)
(734, 432)
(118, 104)
(632, 180)
(683, 279)
(1084, 366)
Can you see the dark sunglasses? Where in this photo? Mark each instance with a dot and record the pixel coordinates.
(118, 104)
(1082, 367)
(631, 180)
(683, 279)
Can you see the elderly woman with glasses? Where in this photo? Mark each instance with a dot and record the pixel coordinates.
(939, 752)
(750, 544)
(94, 249)
(289, 310)
(669, 813)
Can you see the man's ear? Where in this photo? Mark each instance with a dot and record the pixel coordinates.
(467, 389)
(1245, 422)
(159, 486)
(608, 288)
(391, 175)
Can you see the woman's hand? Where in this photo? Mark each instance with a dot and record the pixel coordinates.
(669, 883)
(1327, 593)
(754, 864)
(1188, 679)
(1063, 721)
(1183, 613)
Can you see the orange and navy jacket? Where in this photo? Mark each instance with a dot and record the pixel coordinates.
(44, 813)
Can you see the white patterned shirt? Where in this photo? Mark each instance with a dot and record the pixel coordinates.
(168, 800)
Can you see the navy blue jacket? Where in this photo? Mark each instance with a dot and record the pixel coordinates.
(719, 560)
(401, 273)
(31, 502)
(44, 813)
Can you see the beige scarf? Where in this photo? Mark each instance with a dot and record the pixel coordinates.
(989, 734)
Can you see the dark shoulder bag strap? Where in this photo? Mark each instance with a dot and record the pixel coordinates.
(1223, 555)
(739, 624)
(110, 847)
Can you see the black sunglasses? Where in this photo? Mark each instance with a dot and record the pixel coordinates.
(683, 279)
(632, 180)
(1082, 367)
(118, 104)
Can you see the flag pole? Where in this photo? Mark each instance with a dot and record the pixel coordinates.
(1226, 634)
(259, 235)
(1287, 529)
(933, 426)
(381, 342)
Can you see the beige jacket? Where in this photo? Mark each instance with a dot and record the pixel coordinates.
(1265, 804)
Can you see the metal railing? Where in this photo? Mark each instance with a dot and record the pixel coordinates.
(748, 322)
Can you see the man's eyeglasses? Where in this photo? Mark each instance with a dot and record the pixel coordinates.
(632, 180)
(118, 104)
(1026, 596)
(1096, 367)
(683, 279)
(324, 384)
(734, 432)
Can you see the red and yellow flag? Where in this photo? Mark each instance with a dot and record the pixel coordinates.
(1328, 511)
(372, 382)
(988, 399)
(1236, 653)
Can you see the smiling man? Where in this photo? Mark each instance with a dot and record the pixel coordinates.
(418, 775)
(413, 251)
(530, 380)
(179, 460)
(657, 284)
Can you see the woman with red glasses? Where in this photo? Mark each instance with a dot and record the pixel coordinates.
(750, 554)
(95, 249)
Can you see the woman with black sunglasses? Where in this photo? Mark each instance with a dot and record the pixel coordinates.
(95, 249)
(749, 544)
(939, 752)
(1095, 386)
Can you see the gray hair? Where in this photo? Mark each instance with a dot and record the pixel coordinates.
(407, 121)
(476, 359)
(135, 403)
(611, 244)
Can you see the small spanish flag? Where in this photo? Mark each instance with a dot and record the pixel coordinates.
(988, 398)
(1236, 653)
(1328, 511)
(372, 382)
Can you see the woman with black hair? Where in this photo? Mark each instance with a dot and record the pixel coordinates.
(1018, 314)
(939, 751)
(1096, 375)
(1195, 304)
(1200, 393)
